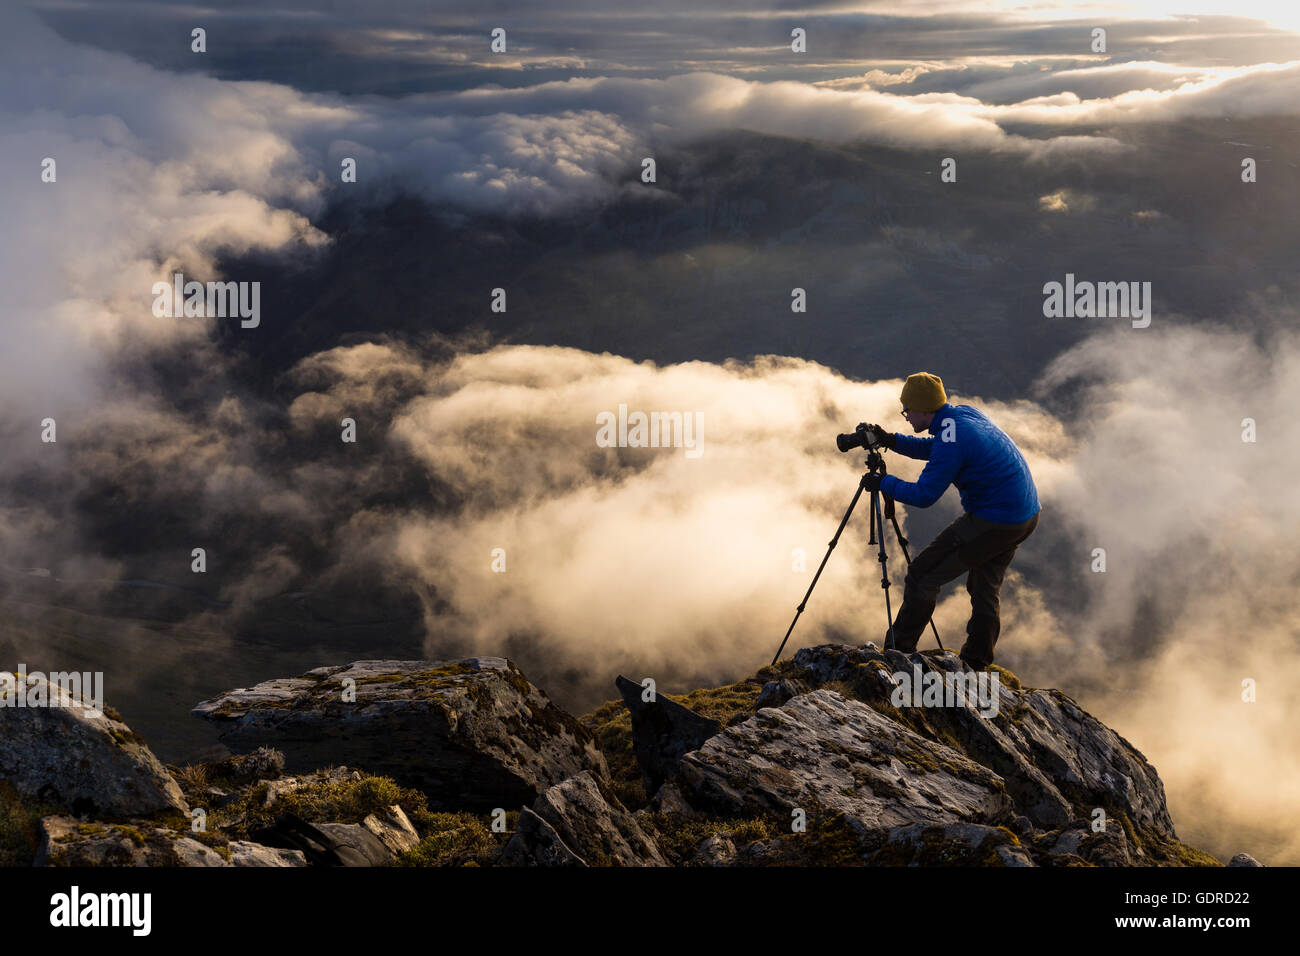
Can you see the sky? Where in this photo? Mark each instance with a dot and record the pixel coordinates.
(522, 170)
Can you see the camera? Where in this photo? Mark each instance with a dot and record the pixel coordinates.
(860, 437)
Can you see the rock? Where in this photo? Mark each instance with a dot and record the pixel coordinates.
(758, 853)
(823, 753)
(265, 763)
(835, 662)
(1108, 847)
(777, 692)
(535, 843)
(717, 850)
(1086, 762)
(1013, 856)
(243, 853)
(1057, 761)
(1244, 859)
(669, 799)
(190, 852)
(393, 830)
(69, 842)
(275, 789)
(662, 731)
(598, 829)
(357, 845)
(957, 844)
(326, 844)
(220, 798)
(66, 841)
(88, 764)
(473, 734)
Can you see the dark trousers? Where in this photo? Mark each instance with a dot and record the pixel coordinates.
(981, 550)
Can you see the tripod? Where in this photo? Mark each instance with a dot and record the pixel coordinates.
(875, 466)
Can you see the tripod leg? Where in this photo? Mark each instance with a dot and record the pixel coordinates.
(834, 541)
(877, 517)
(902, 543)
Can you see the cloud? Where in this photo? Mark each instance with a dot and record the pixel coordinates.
(1196, 524)
(1262, 90)
(1067, 201)
(146, 183)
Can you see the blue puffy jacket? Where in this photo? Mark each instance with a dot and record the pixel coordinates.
(981, 460)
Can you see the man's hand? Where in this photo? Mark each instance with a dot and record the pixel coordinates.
(883, 437)
(871, 481)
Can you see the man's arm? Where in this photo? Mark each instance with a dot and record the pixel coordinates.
(912, 447)
(945, 460)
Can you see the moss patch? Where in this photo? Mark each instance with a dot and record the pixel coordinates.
(610, 725)
(679, 837)
(457, 839)
(727, 705)
(20, 826)
(1005, 677)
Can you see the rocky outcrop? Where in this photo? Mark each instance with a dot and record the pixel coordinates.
(669, 799)
(377, 840)
(954, 844)
(716, 850)
(62, 754)
(66, 841)
(1078, 842)
(846, 765)
(1057, 761)
(663, 731)
(243, 853)
(353, 845)
(594, 826)
(472, 734)
(777, 692)
(291, 841)
(819, 761)
(392, 828)
(823, 753)
(535, 843)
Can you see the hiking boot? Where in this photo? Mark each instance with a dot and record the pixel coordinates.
(898, 645)
(971, 664)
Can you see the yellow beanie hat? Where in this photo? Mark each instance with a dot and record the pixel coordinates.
(923, 392)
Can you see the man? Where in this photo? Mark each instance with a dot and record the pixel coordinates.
(1000, 510)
